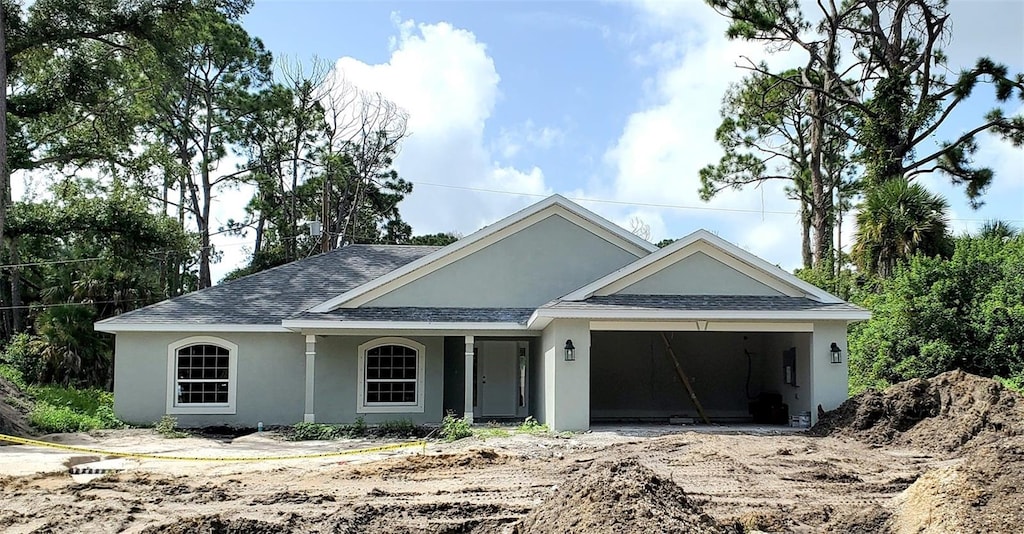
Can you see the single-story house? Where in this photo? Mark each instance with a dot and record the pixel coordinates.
(553, 312)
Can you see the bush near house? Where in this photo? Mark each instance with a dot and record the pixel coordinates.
(401, 428)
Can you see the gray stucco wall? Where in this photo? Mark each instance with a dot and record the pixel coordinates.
(337, 381)
(699, 274)
(271, 379)
(270, 384)
(633, 377)
(526, 269)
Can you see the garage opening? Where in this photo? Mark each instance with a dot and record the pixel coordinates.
(738, 377)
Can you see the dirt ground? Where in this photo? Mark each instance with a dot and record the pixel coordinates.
(837, 478)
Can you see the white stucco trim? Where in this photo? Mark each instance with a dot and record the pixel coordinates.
(553, 205)
(103, 326)
(701, 326)
(722, 250)
(325, 324)
(421, 358)
(541, 317)
(201, 409)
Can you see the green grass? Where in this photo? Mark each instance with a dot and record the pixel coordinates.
(1016, 382)
(492, 430)
(60, 409)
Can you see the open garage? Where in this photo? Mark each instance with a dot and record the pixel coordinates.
(759, 377)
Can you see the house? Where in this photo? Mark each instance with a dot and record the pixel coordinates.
(552, 312)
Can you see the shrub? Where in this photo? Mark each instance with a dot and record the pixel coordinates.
(531, 426)
(315, 431)
(400, 428)
(357, 429)
(455, 428)
(13, 375)
(167, 427)
(23, 352)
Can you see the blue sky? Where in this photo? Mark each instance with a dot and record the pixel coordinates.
(593, 100)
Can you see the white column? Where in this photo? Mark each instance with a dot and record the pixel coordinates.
(470, 384)
(309, 416)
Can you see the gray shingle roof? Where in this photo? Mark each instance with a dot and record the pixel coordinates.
(429, 315)
(702, 303)
(269, 296)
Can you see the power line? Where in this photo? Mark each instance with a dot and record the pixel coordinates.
(51, 262)
(37, 306)
(652, 204)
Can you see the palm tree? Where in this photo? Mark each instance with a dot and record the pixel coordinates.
(897, 220)
(998, 229)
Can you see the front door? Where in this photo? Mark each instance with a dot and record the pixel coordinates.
(496, 383)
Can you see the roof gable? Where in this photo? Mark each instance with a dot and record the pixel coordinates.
(746, 273)
(698, 273)
(554, 206)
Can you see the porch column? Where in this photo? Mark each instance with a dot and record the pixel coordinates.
(309, 416)
(470, 383)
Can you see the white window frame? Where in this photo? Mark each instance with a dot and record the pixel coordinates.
(390, 407)
(172, 377)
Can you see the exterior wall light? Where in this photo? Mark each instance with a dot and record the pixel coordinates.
(837, 353)
(570, 351)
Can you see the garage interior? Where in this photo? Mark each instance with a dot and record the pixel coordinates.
(738, 377)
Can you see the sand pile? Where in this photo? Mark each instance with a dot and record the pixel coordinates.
(13, 411)
(622, 496)
(943, 414)
(982, 493)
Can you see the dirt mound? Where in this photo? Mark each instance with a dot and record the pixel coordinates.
(622, 496)
(14, 408)
(216, 525)
(426, 462)
(983, 493)
(940, 414)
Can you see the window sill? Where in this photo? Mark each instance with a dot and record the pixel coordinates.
(201, 410)
(412, 408)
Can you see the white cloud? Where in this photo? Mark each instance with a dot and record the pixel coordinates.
(528, 135)
(445, 79)
(665, 143)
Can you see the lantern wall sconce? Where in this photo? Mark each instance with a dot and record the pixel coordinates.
(837, 353)
(570, 351)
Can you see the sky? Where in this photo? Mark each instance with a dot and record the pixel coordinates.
(611, 104)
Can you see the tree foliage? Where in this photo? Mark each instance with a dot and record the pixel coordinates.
(935, 315)
(90, 253)
(880, 63)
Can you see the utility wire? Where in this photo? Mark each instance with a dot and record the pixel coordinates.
(36, 306)
(650, 204)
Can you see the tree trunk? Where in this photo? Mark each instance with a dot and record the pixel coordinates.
(819, 213)
(17, 314)
(203, 222)
(805, 234)
(5, 178)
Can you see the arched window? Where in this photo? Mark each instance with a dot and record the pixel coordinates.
(201, 375)
(391, 376)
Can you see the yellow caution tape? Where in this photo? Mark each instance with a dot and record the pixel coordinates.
(37, 443)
